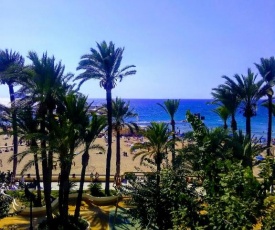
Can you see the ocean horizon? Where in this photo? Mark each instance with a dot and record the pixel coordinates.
(148, 110)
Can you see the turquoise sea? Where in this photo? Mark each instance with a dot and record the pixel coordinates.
(148, 110)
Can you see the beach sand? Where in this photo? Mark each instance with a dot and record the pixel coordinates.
(97, 162)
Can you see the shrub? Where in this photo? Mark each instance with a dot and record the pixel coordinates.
(96, 190)
(71, 224)
(130, 176)
(5, 202)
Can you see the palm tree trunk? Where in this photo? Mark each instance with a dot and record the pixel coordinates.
(46, 174)
(39, 199)
(233, 123)
(225, 125)
(174, 140)
(158, 204)
(61, 192)
(248, 126)
(109, 151)
(14, 129)
(269, 128)
(64, 193)
(46, 183)
(85, 160)
(118, 153)
(64, 188)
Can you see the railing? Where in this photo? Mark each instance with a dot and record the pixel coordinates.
(73, 177)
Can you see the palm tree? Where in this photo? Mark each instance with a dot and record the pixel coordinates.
(266, 69)
(157, 135)
(45, 86)
(226, 97)
(171, 107)
(223, 113)
(104, 65)
(68, 129)
(28, 129)
(249, 91)
(244, 149)
(11, 65)
(96, 125)
(121, 114)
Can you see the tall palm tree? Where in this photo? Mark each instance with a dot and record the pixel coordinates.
(225, 96)
(96, 125)
(45, 87)
(68, 129)
(104, 65)
(266, 69)
(28, 129)
(223, 113)
(171, 107)
(121, 115)
(11, 65)
(157, 135)
(249, 91)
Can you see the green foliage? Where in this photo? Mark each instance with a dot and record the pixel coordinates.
(71, 224)
(130, 176)
(96, 190)
(188, 135)
(20, 195)
(234, 198)
(268, 221)
(143, 200)
(267, 172)
(175, 204)
(5, 202)
(239, 202)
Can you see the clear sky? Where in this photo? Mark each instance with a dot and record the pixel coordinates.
(180, 48)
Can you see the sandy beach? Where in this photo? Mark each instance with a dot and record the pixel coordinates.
(97, 161)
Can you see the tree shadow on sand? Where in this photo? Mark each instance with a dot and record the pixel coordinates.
(98, 217)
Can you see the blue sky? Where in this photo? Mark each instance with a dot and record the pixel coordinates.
(180, 48)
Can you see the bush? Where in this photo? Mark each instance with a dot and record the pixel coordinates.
(71, 224)
(19, 195)
(96, 190)
(130, 176)
(5, 202)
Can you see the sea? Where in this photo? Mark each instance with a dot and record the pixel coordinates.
(149, 110)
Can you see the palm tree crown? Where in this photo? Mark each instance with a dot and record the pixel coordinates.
(158, 141)
(11, 66)
(104, 65)
(121, 115)
(267, 70)
(225, 96)
(249, 92)
(171, 107)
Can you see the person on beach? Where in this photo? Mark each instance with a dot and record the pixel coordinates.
(96, 176)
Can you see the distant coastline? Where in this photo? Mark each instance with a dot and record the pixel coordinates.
(149, 111)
